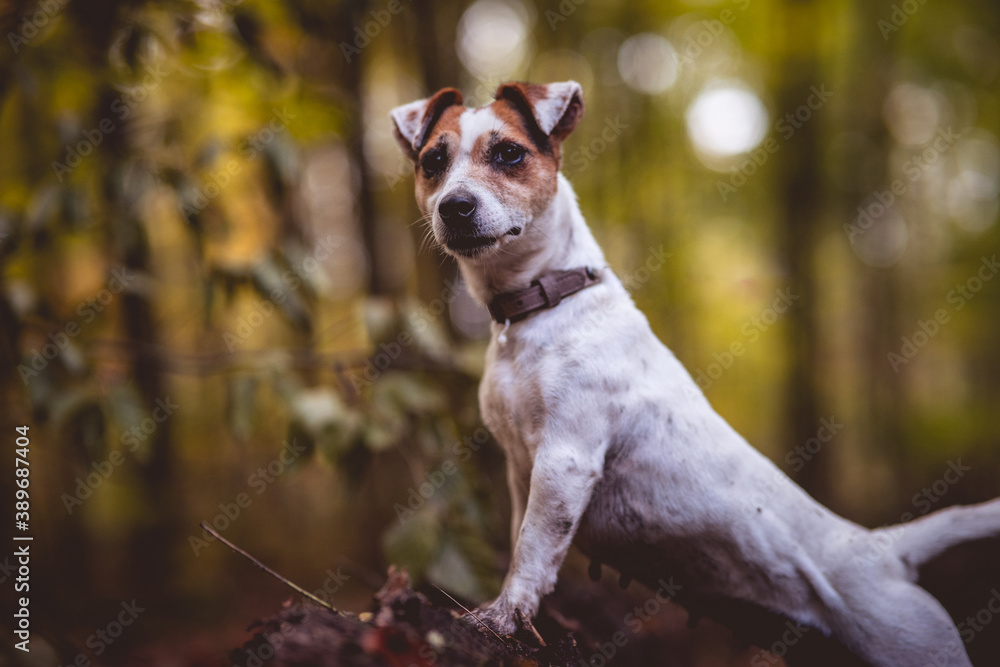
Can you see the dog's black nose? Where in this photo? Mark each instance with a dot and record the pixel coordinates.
(457, 208)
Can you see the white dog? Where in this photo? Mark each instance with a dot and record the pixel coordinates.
(610, 442)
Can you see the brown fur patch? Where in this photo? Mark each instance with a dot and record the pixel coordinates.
(531, 185)
(446, 132)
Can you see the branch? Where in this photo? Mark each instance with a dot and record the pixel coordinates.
(288, 582)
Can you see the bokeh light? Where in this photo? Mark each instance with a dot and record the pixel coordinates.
(913, 113)
(972, 194)
(882, 237)
(726, 119)
(493, 38)
(648, 63)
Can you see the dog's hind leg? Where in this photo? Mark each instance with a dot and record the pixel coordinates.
(893, 623)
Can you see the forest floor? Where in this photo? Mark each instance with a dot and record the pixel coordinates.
(587, 623)
(405, 629)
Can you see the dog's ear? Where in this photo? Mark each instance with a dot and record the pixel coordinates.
(554, 108)
(414, 121)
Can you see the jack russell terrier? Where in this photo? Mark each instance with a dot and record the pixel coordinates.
(610, 444)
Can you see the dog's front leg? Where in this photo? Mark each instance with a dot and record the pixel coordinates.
(562, 480)
(518, 502)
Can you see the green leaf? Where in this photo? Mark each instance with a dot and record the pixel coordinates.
(269, 281)
(324, 418)
(408, 393)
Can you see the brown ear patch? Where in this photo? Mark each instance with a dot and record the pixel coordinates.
(532, 92)
(414, 122)
(443, 99)
(552, 110)
(522, 97)
(447, 121)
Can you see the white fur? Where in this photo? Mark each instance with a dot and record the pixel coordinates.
(549, 110)
(611, 444)
(409, 118)
(475, 123)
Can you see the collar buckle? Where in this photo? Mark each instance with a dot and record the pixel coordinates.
(548, 291)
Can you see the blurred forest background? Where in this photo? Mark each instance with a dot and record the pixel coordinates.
(214, 304)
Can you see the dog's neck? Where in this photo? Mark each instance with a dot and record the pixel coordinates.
(556, 240)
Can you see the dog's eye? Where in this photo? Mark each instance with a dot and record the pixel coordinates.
(433, 162)
(508, 154)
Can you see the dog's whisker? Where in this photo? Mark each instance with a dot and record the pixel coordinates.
(427, 241)
(423, 218)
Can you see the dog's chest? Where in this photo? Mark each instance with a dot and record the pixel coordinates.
(512, 401)
(550, 382)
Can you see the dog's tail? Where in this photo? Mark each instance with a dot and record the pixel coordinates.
(921, 540)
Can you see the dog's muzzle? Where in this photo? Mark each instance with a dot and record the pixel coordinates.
(458, 211)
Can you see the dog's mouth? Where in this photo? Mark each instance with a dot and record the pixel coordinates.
(474, 246)
(471, 246)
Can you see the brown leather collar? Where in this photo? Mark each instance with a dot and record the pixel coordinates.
(546, 292)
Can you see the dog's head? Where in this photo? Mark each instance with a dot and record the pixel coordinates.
(484, 175)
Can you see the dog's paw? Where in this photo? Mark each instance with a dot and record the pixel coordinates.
(496, 617)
